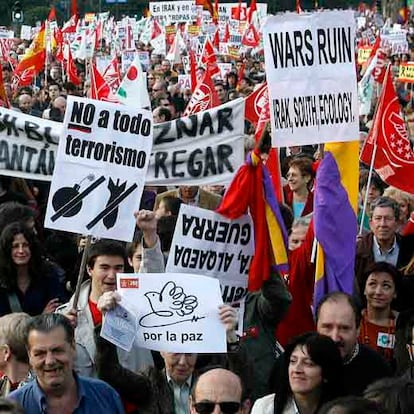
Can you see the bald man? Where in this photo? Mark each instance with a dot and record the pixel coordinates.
(218, 391)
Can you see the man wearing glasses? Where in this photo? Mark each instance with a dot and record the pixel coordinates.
(218, 391)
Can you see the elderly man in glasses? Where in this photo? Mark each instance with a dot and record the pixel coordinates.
(218, 391)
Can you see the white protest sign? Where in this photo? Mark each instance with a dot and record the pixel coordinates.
(175, 312)
(396, 40)
(28, 145)
(127, 58)
(207, 243)
(173, 11)
(102, 63)
(26, 32)
(204, 148)
(310, 70)
(225, 68)
(119, 326)
(184, 82)
(144, 59)
(102, 160)
(6, 34)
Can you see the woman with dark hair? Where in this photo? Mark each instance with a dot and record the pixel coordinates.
(298, 194)
(311, 375)
(28, 282)
(381, 283)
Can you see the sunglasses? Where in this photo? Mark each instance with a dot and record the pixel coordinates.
(207, 407)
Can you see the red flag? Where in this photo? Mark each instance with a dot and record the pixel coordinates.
(380, 66)
(255, 102)
(4, 99)
(193, 70)
(112, 74)
(208, 5)
(252, 9)
(74, 8)
(240, 75)
(70, 25)
(264, 118)
(298, 8)
(226, 37)
(72, 72)
(204, 97)
(99, 88)
(216, 40)
(208, 58)
(272, 162)
(59, 45)
(394, 158)
(156, 29)
(52, 14)
(24, 78)
(251, 37)
(36, 61)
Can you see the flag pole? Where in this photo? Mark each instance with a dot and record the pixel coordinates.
(364, 209)
(371, 167)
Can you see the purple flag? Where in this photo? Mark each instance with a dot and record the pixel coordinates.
(336, 229)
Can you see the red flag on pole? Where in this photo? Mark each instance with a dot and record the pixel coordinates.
(100, 90)
(193, 70)
(72, 71)
(4, 100)
(74, 8)
(52, 14)
(226, 37)
(112, 74)
(208, 58)
(394, 157)
(255, 102)
(204, 97)
(216, 40)
(252, 9)
(251, 37)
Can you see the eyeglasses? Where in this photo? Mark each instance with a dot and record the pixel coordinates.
(207, 407)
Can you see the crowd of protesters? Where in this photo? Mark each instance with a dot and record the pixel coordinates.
(353, 354)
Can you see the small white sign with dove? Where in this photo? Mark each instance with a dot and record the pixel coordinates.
(175, 312)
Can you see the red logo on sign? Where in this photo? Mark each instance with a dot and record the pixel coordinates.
(130, 283)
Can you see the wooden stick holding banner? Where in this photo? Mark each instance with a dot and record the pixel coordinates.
(364, 209)
(81, 272)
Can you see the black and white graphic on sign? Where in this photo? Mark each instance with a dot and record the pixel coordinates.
(169, 307)
(116, 190)
(67, 201)
(112, 205)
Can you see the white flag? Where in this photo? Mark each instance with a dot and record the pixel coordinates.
(133, 89)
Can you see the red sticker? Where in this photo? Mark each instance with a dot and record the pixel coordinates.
(129, 283)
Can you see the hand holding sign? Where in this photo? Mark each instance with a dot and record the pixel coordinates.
(176, 312)
(108, 301)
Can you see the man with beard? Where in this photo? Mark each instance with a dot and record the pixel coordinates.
(338, 317)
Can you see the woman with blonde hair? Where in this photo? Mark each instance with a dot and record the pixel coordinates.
(406, 203)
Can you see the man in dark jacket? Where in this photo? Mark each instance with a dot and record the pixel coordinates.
(162, 391)
(263, 311)
(338, 317)
(382, 244)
